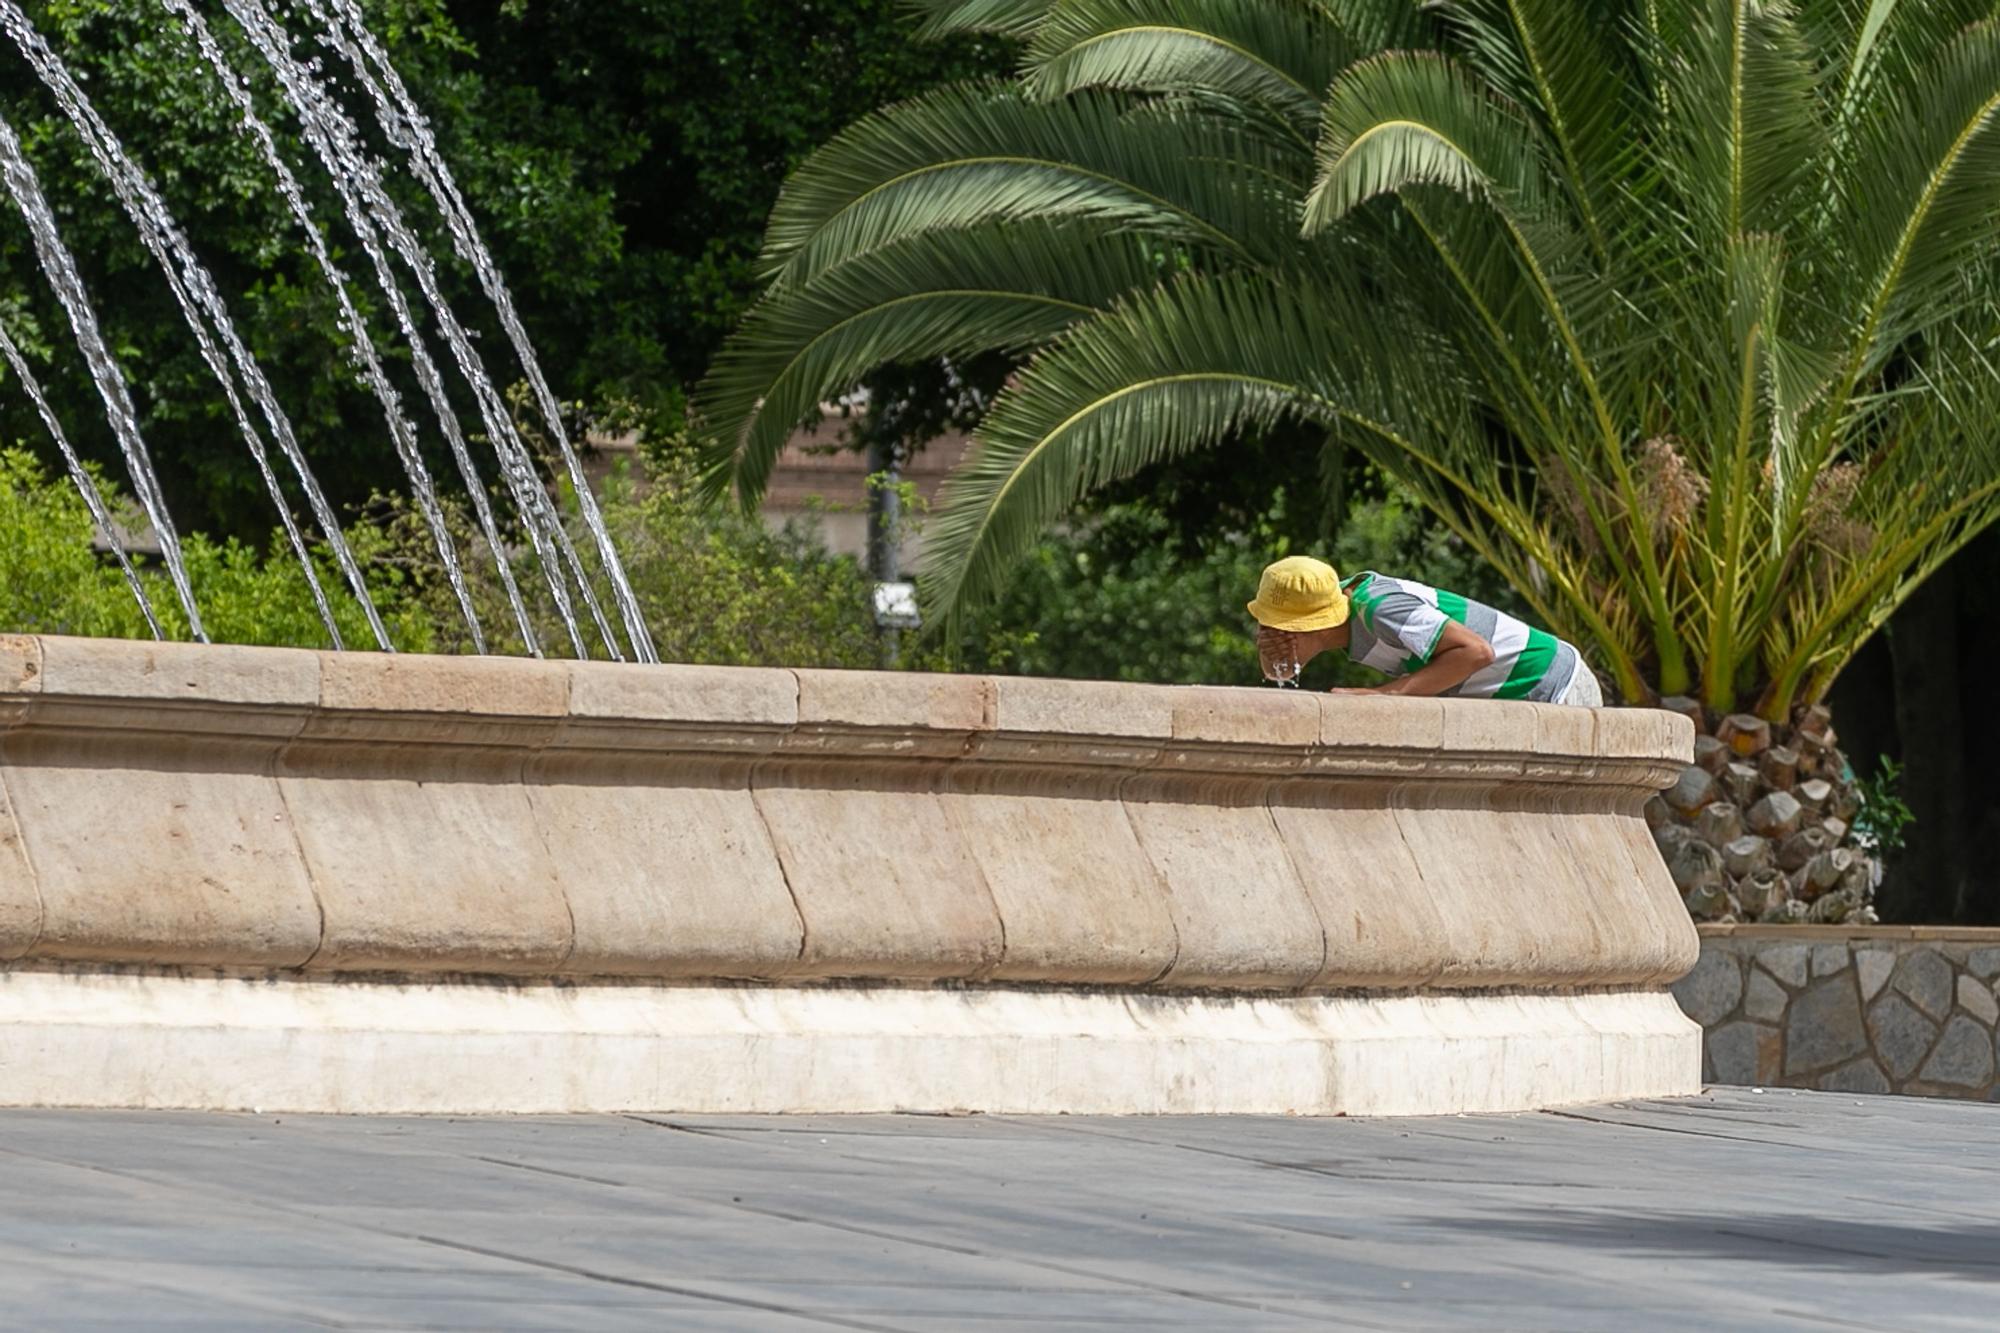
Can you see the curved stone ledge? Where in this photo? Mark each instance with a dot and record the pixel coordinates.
(252, 807)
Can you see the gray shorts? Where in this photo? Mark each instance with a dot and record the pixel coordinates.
(1583, 691)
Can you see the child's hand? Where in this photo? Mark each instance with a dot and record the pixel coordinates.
(1277, 653)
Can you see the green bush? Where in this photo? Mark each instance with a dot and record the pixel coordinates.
(53, 582)
(716, 588)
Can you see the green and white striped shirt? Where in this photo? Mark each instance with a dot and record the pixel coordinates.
(1396, 625)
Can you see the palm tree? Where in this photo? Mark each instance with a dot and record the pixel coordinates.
(1679, 312)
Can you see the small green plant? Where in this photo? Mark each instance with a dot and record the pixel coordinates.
(1884, 814)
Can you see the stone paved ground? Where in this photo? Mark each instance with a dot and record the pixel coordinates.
(1735, 1210)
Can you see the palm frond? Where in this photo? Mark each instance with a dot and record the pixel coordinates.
(1578, 78)
(1919, 202)
(937, 294)
(1277, 54)
(970, 155)
(1743, 135)
(1184, 366)
(1407, 118)
(1003, 18)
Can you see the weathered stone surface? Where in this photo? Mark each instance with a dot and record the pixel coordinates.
(898, 700)
(665, 873)
(1836, 908)
(1711, 754)
(1740, 782)
(1861, 1076)
(191, 674)
(1824, 1027)
(1763, 998)
(163, 852)
(1984, 962)
(1814, 793)
(1778, 767)
(1382, 926)
(1746, 855)
(1711, 991)
(1901, 1035)
(20, 901)
(738, 702)
(423, 860)
(1976, 998)
(1688, 708)
(1802, 847)
(1790, 912)
(1712, 900)
(1816, 721)
(1828, 959)
(1621, 732)
(1776, 816)
(1078, 900)
(1719, 824)
(1745, 733)
(884, 883)
(1036, 706)
(1786, 962)
(1652, 913)
(1762, 892)
(1925, 977)
(459, 687)
(1692, 790)
(1743, 1054)
(1826, 869)
(1964, 1056)
(1670, 838)
(1693, 864)
(1242, 916)
(1231, 716)
(1874, 967)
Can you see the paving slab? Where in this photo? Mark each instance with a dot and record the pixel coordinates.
(1738, 1209)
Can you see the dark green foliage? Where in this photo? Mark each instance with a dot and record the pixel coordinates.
(1884, 813)
(620, 155)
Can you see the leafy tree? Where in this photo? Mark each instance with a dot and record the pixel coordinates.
(1678, 313)
(618, 154)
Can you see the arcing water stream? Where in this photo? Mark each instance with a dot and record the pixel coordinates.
(381, 229)
(406, 126)
(61, 268)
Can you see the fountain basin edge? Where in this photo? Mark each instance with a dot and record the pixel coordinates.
(237, 877)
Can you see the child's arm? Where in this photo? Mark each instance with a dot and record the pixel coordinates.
(1458, 655)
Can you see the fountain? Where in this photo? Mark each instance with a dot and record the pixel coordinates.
(381, 230)
(348, 881)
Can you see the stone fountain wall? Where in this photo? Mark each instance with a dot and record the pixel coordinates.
(314, 881)
(1905, 1009)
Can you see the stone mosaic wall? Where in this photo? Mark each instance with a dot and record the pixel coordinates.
(1888, 1009)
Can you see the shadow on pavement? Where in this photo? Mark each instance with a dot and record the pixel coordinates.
(1971, 1250)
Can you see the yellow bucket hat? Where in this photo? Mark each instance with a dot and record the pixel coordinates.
(1299, 594)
